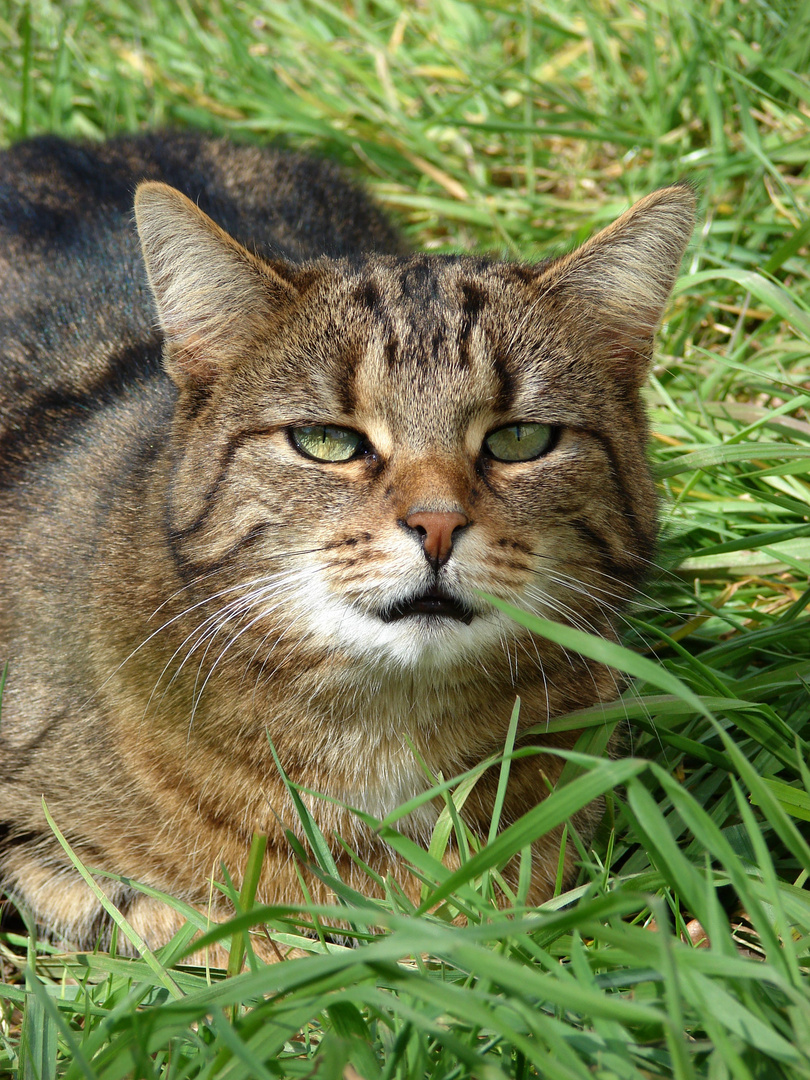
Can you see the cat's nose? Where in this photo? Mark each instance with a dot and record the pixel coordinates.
(436, 529)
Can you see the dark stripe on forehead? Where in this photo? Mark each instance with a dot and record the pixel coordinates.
(418, 281)
(505, 392)
(473, 300)
(345, 390)
(367, 295)
(464, 332)
(391, 350)
(438, 341)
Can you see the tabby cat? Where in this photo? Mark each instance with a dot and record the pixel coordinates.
(257, 471)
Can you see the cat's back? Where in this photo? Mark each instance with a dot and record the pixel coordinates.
(55, 193)
(76, 310)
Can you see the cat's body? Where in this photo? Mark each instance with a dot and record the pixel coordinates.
(184, 573)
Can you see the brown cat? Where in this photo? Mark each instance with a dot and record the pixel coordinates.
(275, 516)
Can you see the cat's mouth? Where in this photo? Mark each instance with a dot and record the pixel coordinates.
(433, 601)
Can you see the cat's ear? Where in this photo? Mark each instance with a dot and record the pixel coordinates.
(214, 298)
(615, 286)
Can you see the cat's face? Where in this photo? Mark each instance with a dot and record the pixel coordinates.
(363, 449)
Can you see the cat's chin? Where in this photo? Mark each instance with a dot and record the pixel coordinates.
(432, 604)
(428, 641)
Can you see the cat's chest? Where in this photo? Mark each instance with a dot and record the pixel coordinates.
(401, 746)
(380, 791)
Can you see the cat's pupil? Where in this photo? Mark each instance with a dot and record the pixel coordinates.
(326, 442)
(519, 442)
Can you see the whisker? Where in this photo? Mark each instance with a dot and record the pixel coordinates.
(271, 651)
(192, 607)
(207, 630)
(583, 623)
(252, 602)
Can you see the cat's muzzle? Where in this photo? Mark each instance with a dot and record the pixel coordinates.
(433, 601)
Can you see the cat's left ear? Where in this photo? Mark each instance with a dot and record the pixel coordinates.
(214, 298)
(614, 288)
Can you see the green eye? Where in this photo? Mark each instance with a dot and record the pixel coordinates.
(519, 442)
(325, 442)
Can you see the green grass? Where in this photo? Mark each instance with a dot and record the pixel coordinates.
(519, 128)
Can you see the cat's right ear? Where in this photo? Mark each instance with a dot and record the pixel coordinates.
(617, 284)
(214, 298)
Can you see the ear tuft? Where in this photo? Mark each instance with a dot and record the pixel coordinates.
(214, 298)
(619, 281)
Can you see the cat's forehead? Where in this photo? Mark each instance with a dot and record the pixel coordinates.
(432, 340)
(418, 288)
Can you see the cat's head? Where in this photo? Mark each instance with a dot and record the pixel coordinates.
(362, 447)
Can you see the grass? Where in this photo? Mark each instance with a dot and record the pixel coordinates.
(519, 128)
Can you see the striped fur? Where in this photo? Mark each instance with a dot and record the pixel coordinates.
(180, 582)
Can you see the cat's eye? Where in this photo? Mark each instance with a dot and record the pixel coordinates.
(519, 442)
(326, 442)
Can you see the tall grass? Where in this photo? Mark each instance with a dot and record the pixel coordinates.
(684, 949)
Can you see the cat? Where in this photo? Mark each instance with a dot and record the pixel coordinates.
(259, 462)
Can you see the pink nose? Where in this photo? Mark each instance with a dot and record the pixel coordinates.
(436, 528)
